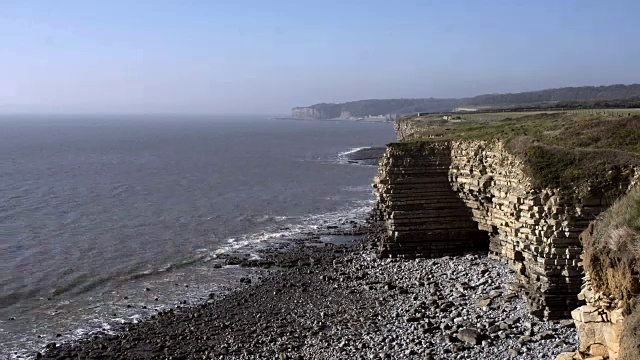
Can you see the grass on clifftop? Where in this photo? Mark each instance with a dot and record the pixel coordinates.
(612, 253)
(559, 129)
(612, 258)
(579, 153)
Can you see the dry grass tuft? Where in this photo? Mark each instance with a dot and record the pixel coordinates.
(612, 251)
(621, 239)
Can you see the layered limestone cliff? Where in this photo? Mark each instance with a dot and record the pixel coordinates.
(417, 201)
(443, 198)
(447, 187)
(609, 323)
(599, 322)
(333, 111)
(307, 113)
(405, 129)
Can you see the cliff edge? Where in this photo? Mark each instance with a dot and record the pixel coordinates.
(524, 187)
(609, 323)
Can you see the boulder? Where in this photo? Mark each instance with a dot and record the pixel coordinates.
(470, 336)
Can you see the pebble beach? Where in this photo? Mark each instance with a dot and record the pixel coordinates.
(343, 302)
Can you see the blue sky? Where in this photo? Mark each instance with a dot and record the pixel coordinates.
(240, 56)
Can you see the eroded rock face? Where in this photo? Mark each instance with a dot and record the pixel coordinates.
(601, 324)
(447, 198)
(536, 231)
(417, 202)
(607, 326)
(599, 330)
(308, 113)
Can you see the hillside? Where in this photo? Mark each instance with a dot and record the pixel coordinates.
(585, 96)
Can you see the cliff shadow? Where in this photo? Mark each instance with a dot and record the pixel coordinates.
(424, 215)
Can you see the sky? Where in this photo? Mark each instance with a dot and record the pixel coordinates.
(258, 56)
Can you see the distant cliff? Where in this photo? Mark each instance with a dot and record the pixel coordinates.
(585, 95)
(318, 111)
(366, 108)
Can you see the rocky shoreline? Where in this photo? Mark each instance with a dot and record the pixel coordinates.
(366, 156)
(343, 302)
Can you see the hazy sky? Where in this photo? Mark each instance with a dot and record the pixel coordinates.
(265, 56)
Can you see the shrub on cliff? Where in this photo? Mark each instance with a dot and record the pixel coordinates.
(577, 172)
(612, 252)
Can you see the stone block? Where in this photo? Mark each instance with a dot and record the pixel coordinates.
(611, 334)
(597, 350)
(566, 356)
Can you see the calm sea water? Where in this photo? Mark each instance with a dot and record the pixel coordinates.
(101, 217)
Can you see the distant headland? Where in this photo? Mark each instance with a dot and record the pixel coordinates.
(616, 96)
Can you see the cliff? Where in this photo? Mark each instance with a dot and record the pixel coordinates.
(314, 113)
(524, 190)
(374, 107)
(609, 323)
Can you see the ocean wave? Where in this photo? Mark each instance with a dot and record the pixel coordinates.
(254, 243)
(360, 156)
(352, 150)
(343, 157)
(102, 319)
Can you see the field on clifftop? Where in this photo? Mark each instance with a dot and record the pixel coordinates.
(594, 130)
(581, 152)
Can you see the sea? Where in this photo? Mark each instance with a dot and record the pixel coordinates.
(108, 219)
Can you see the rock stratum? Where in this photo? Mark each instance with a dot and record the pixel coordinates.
(440, 196)
(448, 198)
(609, 323)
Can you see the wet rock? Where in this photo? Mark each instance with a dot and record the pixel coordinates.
(233, 261)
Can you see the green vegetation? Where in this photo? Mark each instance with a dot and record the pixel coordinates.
(612, 258)
(621, 96)
(555, 128)
(580, 154)
(568, 94)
